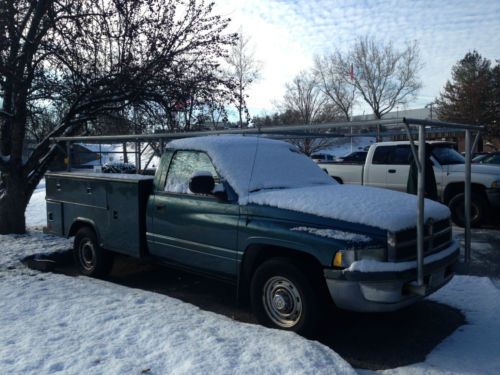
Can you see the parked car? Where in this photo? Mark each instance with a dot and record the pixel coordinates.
(321, 157)
(259, 214)
(492, 158)
(357, 157)
(387, 165)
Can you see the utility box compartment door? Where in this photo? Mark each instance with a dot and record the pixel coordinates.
(55, 218)
(86, 191)
(126, 226)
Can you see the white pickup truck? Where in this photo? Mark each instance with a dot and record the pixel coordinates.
(387, 165)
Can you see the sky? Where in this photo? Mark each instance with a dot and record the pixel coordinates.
(286, 35)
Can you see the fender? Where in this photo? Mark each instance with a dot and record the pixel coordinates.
(272, 242)
(82, 221)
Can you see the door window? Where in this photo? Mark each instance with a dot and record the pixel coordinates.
(182, 167)
(381, 154)
(400, 155)
(392, 155)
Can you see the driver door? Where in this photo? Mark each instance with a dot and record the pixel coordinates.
(191, 230)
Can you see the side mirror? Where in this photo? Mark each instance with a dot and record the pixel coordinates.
(202, 183)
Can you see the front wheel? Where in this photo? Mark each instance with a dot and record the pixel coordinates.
(89, 257)
(478, 212)
(283, 296)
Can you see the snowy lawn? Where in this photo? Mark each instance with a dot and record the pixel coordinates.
(53, 323)
(36, 212)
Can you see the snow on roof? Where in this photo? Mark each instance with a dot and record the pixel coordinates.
(256, 163)
(284, 178)
(380, 208)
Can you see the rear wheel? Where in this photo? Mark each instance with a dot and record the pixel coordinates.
(89, 257)
(478, 213)
(338, 179)
(284, 296)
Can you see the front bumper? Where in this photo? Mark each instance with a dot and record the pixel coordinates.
(389, 290)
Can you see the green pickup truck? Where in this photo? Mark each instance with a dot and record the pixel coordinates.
(259, 214)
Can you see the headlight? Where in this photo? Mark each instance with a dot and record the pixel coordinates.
(495, 184)
(344, 258)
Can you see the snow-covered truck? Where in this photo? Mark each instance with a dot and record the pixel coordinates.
(387, 165)
(259, 214)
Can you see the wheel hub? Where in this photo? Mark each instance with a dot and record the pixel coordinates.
(282, 301)
(87, 254)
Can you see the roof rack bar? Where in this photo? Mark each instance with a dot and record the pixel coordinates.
(442, 124)
(259, 130)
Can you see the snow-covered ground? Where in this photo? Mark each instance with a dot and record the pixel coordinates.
(475, 347)
(58, 324)
(36, 212)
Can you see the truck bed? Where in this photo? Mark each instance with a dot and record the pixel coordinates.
(114, 203)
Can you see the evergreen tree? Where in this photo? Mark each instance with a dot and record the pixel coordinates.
(467, 97)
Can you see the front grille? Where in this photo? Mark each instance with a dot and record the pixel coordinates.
(437, 236)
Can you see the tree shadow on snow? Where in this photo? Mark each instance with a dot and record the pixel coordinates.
(369, 341)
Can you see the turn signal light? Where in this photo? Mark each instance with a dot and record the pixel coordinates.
(337, 260)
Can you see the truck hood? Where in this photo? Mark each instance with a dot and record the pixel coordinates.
(492, 170)
(379, 208)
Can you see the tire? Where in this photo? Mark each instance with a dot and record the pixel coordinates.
(284, 296)
(338, 179)
(89, 257)
(479, 209)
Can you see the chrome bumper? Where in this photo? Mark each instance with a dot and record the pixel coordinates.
(387, 290)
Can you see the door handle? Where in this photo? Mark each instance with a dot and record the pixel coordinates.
(391, 171)
(160, 207)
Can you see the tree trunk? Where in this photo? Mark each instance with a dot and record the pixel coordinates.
(15, 192)
(378, 116)
(13, 202)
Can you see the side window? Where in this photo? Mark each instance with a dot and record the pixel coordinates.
(381, 154)
(182, 167)
(400, 155)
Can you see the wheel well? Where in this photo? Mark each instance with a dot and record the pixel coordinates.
(79, 224)
(459, 187)
(255, 255)
(338, 179)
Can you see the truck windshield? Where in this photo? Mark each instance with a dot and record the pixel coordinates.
(447, 155)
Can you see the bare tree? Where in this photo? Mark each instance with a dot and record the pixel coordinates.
(383, 75)
(332, 80)
(305, 103)
(244, 68)
(85, 58)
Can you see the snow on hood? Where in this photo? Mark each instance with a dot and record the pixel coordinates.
(256, 163)
(380, 208)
